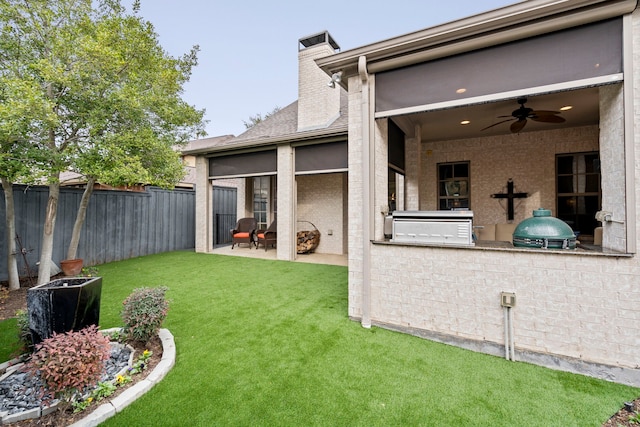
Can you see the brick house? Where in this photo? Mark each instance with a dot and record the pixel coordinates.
(292, 166)
(435, 123)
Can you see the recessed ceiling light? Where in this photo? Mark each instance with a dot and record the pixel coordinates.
(465, 122)
(461, 90)
(566, 108)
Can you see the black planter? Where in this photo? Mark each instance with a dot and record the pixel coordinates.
(63, 305)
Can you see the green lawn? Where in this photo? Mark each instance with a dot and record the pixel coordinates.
(268, 343)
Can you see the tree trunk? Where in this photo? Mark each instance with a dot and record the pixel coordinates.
(80, 217)
(10, 234)
(44, 269)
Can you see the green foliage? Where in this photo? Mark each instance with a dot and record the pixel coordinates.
(270, 343)
(85, 86)
(102, 390)
(143, 312)
(70, 362)
(24, 333)
(254, 120)
(116, 336)
(89, 271)
(141, 363)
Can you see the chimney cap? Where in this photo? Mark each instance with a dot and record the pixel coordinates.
(319, 38)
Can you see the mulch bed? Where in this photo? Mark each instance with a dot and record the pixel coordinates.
(12, 301)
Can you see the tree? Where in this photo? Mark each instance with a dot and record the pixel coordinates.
(254, 120)
(21, 109)
(114, 93)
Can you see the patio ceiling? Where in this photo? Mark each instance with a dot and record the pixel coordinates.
(446, 124)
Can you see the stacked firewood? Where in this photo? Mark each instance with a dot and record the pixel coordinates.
(308, 241)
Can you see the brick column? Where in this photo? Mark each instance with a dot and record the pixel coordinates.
(286, 204)
(412, 169)
(204, 217)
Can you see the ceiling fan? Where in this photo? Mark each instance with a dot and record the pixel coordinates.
(522, 114)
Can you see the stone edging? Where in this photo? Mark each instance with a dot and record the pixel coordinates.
(117, 404)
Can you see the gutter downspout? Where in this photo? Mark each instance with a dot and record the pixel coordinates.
(366, 195)
(629, 136)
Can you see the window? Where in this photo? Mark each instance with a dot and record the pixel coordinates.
(260, 200)
(578, 190)
(264, 200)
(453, 186)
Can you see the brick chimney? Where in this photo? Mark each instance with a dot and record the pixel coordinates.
(318, 104)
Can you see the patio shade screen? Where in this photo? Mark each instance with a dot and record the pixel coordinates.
(396, 148)
(245, 164)
(584, 52)
(330, 156)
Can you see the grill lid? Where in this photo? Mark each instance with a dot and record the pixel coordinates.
(544, 231)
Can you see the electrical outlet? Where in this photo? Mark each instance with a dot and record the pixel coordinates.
(507, 299)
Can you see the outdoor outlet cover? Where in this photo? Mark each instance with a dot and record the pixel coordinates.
(507, 299)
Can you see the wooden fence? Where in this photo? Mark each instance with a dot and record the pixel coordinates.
(119, 224)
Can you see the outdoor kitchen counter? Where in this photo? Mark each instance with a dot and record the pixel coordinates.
(488, 245)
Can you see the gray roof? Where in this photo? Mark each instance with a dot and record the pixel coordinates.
(199, 144)
(282, 126)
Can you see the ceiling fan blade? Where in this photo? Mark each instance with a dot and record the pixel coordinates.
(517, 126)
(496, 124)
(548, 119)
(543, 112)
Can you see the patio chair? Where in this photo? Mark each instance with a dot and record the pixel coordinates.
(267, 237)
(244, 231)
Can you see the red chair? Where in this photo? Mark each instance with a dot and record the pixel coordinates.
(244, 231)
(267, 237)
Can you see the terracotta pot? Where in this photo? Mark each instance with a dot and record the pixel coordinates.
(71, 267)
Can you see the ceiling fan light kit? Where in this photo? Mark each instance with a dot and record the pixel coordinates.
(520, 116)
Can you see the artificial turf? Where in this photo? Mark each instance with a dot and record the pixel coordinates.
(269, 343)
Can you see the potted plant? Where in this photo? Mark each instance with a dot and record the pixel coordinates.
(71, 267)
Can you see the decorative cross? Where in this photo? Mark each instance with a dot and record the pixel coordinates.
(510, 196)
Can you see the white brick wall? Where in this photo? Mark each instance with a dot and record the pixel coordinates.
(528, 158)
(580, 306)
(286, 200)
(320, 201)
(318, 104)
(577, 308)
(203, 206)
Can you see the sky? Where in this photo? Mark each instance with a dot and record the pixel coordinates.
(248, 59)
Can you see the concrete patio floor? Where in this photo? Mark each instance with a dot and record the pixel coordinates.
(313, 258)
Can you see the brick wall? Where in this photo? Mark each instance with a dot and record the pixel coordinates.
(318, 104)
(528, 158)
(577, 306)
(574, 311)
(320, 201)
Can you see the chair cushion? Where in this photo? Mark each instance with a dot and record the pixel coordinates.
(241, 235)
(260, 235)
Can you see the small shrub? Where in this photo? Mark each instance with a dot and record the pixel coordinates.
(24, 333)
(116, 335)
(143, 312)
(4, 294)
(89, 271)
(71, 362)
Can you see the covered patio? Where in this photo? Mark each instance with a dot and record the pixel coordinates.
(272, 254)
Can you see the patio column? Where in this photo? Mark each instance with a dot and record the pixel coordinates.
(204, 217)
(286, 214)
(412, 165)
